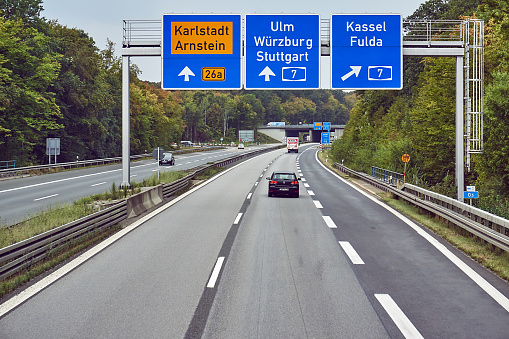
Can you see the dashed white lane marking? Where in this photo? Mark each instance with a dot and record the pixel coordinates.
(237, 219)
(249, 196)
(400, 319)
(256, 183)
(261, 175)
(317, 204)
(351, 252)
(303, 179)
(215, 272)
(306, 185)
(47, 197)
(98, 184)
(301, 174)
(311, 192)
(133, 175)
(328, 220)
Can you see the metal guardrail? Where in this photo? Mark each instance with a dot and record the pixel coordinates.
(389, 177)
(23, 254)
(11, 172)
(486, 226)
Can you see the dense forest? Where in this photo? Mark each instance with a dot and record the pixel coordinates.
(55, 82)
(420, 119)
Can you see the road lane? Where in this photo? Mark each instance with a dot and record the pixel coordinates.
(148, 283)
(438, 298)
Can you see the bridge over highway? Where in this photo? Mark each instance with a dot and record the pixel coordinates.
(279, 132)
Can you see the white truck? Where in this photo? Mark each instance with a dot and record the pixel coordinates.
(292, 144)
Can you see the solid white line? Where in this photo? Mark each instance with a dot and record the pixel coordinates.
(306, 185)
(98, 184)
(237, 219)
(480, 281)
(249, 196)
(400, 319)
(49, 196)
(311, 192)
(351, 252)
(50, 279)
(317, 204)
(328, 220)
(215, 272)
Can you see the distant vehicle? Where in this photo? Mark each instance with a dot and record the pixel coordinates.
(186, 143)
(241, 146)
(168, 159)
(283, 183)
(292, 144)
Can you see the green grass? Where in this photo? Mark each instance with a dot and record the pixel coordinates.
(489, 256)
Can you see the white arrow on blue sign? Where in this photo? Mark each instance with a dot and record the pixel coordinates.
(366, 51)
(282, 51)
(325, 138)
(201, 51)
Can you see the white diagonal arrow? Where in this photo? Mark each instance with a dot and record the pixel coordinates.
(355, 70)
(186, 72)
(267, 72)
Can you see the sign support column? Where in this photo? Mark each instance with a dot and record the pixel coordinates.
(126, 124)
(460, 161)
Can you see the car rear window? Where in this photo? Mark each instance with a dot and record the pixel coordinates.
(284, 176)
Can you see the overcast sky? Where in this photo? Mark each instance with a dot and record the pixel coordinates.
(102, 19)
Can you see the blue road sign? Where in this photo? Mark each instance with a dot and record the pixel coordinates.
(366, 51)
(282, 51)
(325, 138)
(326, 126)
(470, 195)
(201, 51)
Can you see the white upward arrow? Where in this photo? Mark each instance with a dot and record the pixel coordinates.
(355, 70)
(267, 72)
(186, 72)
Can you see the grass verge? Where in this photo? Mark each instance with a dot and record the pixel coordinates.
(491, 257)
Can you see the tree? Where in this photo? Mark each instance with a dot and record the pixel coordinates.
(27, 10)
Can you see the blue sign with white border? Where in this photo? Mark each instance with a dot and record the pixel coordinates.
(282, 51)
(325, 138)
(366, 51)
(326, 126)
(471, 195)
(201, 51)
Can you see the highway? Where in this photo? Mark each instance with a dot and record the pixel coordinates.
(23, 197)
(226, 261)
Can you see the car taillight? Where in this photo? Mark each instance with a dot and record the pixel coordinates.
(273, 182)
(295, 182)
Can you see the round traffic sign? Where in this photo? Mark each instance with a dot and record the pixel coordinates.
(405, 158)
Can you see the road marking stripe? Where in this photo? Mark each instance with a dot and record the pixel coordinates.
(480, 281)
(311, 192)
(215, 272)
(317, 204)
(101, 183)
(400, 319)
(301, 174)
(328, 220)
(249, 196)
(133, 175)
(302, 179)
(47, 197)
(306, 185)
(351, 252)
(256, 183)
(237, 219)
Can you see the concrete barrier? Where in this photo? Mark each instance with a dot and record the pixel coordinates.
(142, 202)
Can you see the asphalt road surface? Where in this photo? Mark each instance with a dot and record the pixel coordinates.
(227, 261)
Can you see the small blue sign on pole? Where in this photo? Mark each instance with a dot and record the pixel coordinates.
(470, 195)
(325, 138)
(201, 51)
(366, 51)
(282, 51)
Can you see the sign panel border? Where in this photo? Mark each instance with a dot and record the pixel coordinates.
(235, 56)
(244, 72)
(332, 51)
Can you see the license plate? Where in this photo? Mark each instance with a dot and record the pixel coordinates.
(284, 189)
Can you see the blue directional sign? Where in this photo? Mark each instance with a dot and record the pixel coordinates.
(366, 51)
(325, 138)
(282, 51)
(471, 195)
(326, 126)
(201, 51)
